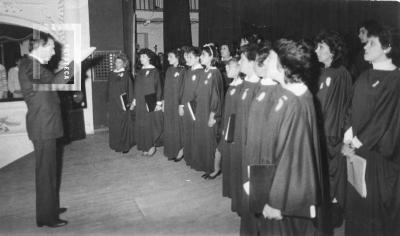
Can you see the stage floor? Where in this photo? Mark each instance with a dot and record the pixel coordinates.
(112, 193)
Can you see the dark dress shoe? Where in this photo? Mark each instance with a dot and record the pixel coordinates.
(205, 175)
(58, 223)
(62, 210)
(125, 152)
(214, 176)
(179, 159)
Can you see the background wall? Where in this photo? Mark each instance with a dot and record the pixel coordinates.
(155, 28)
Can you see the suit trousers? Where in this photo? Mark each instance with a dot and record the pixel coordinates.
(47, 193)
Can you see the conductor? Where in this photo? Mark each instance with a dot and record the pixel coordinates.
(44, 126)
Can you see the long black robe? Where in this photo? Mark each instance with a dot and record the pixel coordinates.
(333, 100)
(208, 96)
(146, 131)
(246, 96)
(173, 123)
(375, 120)
(120, 123)
(230, 105)
(187, 93)
(257, 135)
(293, 147)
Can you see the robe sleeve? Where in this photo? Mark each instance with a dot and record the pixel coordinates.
(378, 125)
(294, 186)
(182, 87)
(338, 101)
(108, 88)
(216, 91)
(157, 85)
(130, 87)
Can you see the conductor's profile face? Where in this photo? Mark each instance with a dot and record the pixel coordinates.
(46, 51)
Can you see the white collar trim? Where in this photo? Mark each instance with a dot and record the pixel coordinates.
(297, 88)
(236, 82)
(268, 81)
(120, 70)
(148, 67)
(253, 79)
(384, 65)
(197, 66)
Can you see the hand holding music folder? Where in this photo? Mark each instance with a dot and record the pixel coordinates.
(192, 108)
(356, 168)
(230, 129)
(258, 189)
(124, 101)
(261, 177)
(151, 101)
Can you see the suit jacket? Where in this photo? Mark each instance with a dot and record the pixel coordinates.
(43, 119)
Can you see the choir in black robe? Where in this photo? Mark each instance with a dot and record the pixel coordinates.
(246, 96)
(257, 135)
(187, 93)
(173, 126)
(333, 100)
(292, 145)
(120, 123)
(208, 96)
(230, 105)
(147, 133)
(375, 120)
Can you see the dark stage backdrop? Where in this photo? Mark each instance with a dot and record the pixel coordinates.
(177, 29)
(220, 20)
(290, 18)
(128, 28)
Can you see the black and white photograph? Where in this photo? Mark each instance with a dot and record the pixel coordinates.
(200, 117)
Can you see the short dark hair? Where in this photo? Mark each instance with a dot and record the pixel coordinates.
(368, 25)
(212, 51)
(122, 57)
(295, 59)
(39, 39)
(336, 45)
(186, 49)
(178, 54)
(263, 52)
(385, 36)
(230, 47)
(250, 51)
(150, 54)
(195, 51)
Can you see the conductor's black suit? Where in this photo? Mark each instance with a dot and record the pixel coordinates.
(44, 126)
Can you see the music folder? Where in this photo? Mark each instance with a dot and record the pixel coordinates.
(192, 108)
(356, 168)
(124, 101)
(151, 101)
(261, 177)
(230, 129)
